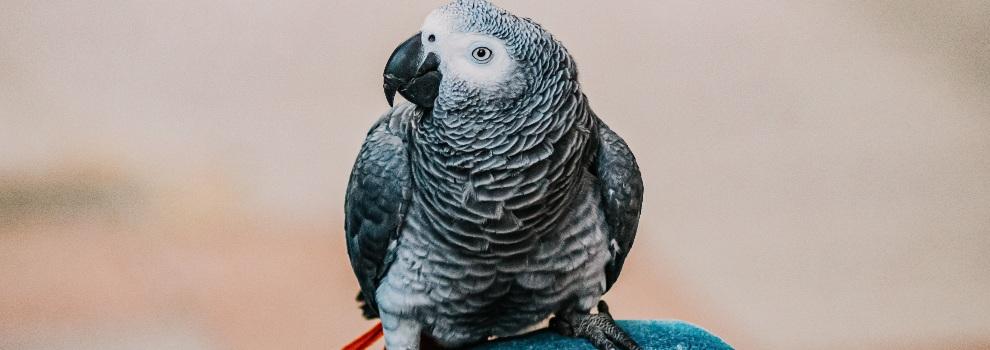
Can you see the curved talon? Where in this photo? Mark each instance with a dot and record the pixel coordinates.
(561, 326)
(603, 308)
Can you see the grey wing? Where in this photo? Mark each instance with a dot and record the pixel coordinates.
(377, 198)
(622, 196)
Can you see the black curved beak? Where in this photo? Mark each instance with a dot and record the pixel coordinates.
(413, 74)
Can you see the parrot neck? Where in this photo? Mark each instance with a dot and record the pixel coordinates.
(548, 108)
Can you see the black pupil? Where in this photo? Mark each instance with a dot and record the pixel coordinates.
(482, 53)
(431, 38)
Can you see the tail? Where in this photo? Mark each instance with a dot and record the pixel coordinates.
(367, 339)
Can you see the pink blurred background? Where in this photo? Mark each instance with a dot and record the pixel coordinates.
(172, 172)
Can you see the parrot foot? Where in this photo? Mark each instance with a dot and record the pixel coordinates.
(600, 329)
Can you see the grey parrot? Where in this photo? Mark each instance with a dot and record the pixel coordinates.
(496, 198)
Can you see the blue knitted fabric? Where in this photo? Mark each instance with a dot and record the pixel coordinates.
(651, 335)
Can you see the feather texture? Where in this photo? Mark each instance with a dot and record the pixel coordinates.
(498, 207)
(378, 196)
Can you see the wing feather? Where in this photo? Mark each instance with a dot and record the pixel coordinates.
(378, 196)
(622, 196)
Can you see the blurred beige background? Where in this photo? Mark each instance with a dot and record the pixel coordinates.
(172, 172)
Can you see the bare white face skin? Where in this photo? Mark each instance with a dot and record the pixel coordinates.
(476, 59)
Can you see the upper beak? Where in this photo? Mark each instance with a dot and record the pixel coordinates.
(413, 73)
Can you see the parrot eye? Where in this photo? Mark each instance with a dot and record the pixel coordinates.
(431, 38)
(482, 54)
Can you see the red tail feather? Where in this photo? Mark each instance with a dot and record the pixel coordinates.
(367, 339)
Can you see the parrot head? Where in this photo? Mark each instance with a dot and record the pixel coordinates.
(472, 55)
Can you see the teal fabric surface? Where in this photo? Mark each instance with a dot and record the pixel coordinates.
(651, 335)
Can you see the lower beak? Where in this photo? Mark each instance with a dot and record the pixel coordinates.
(413, 74)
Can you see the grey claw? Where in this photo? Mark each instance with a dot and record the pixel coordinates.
(599, 329)
(603, 308)
(561, 326)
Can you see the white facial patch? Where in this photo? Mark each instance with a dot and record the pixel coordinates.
(474, 58)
